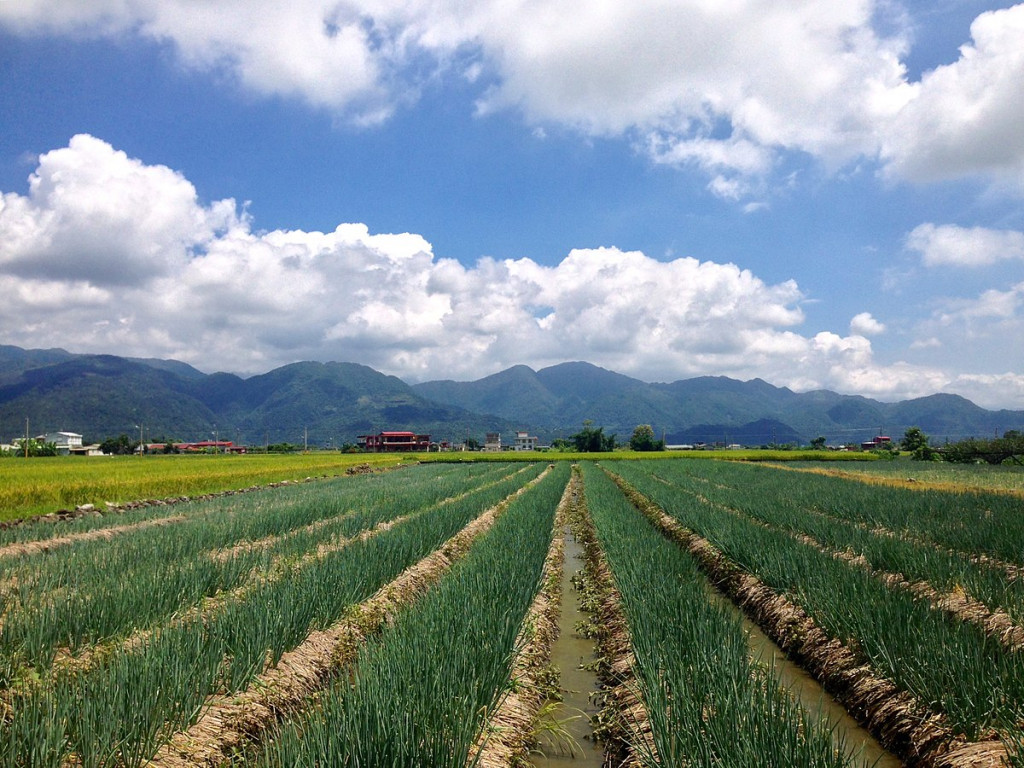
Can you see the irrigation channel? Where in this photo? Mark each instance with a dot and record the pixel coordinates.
(571, 740)
(566, 737)
(847, 733)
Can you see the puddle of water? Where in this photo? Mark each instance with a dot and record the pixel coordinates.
(574, 743)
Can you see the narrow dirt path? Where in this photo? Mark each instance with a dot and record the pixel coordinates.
(996, 623)
(45, 545)
(625, 724)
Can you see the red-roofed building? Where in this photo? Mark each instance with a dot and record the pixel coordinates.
(389, 442)
(879, 443)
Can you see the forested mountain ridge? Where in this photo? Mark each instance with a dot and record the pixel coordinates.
(103, 395)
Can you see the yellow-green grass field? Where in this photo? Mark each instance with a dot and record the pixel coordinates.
(618, 455)
(37, 486)
(933, 474)
(30, 487)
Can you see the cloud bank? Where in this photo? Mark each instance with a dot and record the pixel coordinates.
(107, 254)
(731, 88)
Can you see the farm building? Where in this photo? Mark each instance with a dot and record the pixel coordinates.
(66, 442)
(492, 442)
(881, 442)
(390, 442)
(525, 442)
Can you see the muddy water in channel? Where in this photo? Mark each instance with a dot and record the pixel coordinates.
(857, 741)
(573, 745)
(572, 742)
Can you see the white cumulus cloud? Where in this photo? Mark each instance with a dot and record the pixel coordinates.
(964, 118)
(721, 86)
(107, 254)
(726, 87)
(950, 245)
(865, 324)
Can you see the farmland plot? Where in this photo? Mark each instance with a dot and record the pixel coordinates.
(952, 690)
(387, 620)
(420, 693)
(702, 701)
(134, 684)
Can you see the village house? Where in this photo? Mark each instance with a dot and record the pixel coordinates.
(66, 442)
(392, 442)
(525, 442)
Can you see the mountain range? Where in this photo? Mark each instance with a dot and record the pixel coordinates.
(332, 403)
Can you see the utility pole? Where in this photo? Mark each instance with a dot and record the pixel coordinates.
(26, 437)
(305, 439)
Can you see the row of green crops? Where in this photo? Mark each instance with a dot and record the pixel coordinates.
(119, 710)
(422, 691)
(44, 530)
(945, 570)
(91, 591)
(969, 522)
(709, 704)
(949, 666)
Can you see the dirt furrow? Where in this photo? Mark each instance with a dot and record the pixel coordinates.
(1011, 570)
(45, 545)
(997, 624)
(230, 722)
(625, 723)
(212, 605)
(506, 738)
(919, 736)
(208, 608)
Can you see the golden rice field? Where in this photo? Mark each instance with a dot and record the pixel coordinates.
(38, 486)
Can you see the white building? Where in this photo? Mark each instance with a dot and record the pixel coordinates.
(492, 443)
(66, 442)
(525, 442)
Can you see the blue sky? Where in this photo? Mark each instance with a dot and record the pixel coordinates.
(823, 194)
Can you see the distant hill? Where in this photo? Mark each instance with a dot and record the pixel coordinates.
(103, 395)
(709, 409)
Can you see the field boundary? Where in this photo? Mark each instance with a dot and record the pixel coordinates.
(896, 482)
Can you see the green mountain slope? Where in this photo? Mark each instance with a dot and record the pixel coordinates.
(332, 403)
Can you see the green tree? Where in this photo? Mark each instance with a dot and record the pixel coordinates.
(121, 445)
(818, 443)
(643, 439)
(590, 440)
(916, 442)
(1006, 449)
